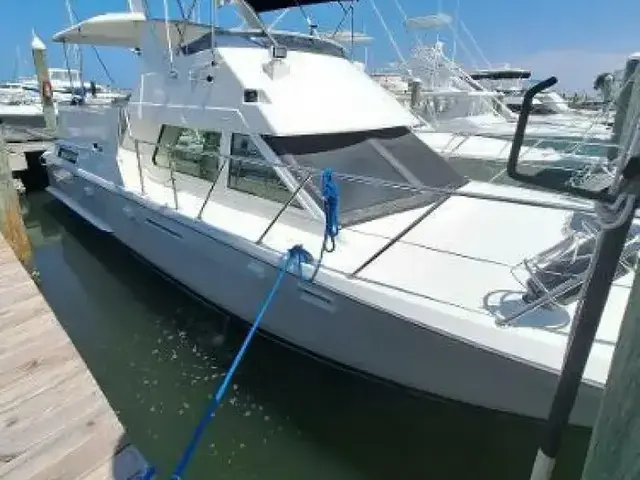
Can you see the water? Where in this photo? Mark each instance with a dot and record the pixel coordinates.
(158, 354)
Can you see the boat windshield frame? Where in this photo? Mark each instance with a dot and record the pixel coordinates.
(293, 41)
(393, 156)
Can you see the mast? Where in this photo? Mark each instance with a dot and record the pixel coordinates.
(136, 6)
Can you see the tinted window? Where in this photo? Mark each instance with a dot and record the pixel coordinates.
(193, 152)
(393, 155)
(249, 177)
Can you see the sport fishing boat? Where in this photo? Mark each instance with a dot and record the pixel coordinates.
(213, 170)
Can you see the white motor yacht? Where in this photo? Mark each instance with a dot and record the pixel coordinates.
(211, 172)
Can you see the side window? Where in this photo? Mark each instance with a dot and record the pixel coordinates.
(193, 152)
(255, 179)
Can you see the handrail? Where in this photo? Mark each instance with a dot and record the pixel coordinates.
(172, 176)
(140, 173)
(363, 179)
(213, 184)
(398, 236)
(283, 208)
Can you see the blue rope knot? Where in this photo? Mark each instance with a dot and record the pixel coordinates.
(330, 200)
(296, 256)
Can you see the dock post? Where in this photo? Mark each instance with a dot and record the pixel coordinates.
(614, 450)
(620, 124)
(39, 51)
(11, 224)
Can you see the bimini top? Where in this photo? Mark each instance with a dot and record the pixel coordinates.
(269, 5)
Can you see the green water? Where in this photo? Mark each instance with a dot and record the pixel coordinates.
(158, 354)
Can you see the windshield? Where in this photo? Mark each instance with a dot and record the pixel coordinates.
(393, 155)
(253, 39)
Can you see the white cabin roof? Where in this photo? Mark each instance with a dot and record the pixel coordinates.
(110, 29)
(126, 30)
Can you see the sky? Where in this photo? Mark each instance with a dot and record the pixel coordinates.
(572, 39)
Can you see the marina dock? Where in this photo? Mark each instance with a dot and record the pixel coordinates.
(55, 422)
(25, 144)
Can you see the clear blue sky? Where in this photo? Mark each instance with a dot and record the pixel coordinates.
(573, 39)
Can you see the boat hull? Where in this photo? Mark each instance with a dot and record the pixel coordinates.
(316, 319)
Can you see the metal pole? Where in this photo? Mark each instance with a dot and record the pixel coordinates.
(213, 185)
(283, 208)
(173, 183)
(416, 89)
(606, 257)
(399, 236)
(140, 172)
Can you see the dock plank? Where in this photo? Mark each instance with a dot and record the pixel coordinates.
(55, 422)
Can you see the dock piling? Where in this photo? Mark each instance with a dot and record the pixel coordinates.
(11, 224)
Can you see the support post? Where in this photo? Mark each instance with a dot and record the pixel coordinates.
(614, 451)
(11, 224)
(39, 51)
(623, 103)
(415, 85)
(587, 317)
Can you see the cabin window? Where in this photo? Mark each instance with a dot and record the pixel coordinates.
(252, 177)
(193, 152)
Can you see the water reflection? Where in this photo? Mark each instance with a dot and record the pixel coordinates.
(158, 354)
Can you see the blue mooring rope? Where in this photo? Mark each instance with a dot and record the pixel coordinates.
(294, 257)
(330, 200)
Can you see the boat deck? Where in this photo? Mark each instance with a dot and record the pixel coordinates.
(55, 422)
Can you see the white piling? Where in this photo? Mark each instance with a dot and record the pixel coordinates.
(39, 51)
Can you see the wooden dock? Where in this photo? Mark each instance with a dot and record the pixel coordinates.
(55, 422)
(18, 153)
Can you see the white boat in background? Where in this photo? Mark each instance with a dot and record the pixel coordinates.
(457, 101)
(451, 101)
(549, 107)
(20, 105)
(67, 83)
(211, 173)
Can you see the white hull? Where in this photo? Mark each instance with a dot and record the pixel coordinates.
(219, 267)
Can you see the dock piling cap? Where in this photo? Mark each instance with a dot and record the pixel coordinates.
(37, 44)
